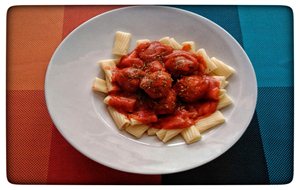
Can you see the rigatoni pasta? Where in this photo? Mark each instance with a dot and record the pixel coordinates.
(222, 68)
(152, 131)
(138, 42)
(210, 65)
(121, 44)
(189, 45)
(191, 134)
(137, 130)
(120, 119)
(99, 85)
(164, 88)
(209, 122)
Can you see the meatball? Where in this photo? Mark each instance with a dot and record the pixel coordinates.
(130, 60)
(129, 78)
(154, 66)
(152, 51)
(181, 63)
(166, 105)
(191, 88)
(157, 84)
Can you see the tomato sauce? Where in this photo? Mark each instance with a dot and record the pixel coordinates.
(162, 87)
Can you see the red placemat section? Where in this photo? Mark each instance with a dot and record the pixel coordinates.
(36, 152)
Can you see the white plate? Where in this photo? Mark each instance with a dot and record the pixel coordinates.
(82, 118)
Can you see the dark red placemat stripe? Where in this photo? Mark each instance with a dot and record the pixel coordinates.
(28, 136)
(76, 15)
(66, 164)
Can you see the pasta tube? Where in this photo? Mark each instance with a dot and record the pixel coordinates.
(135, 122)
(106, 99)
(170, 42)
(121, 43)
(210, 121)
(222, 93)
(165, 41)
(222, 68)
(191, 44)
(137, 130)
(191, 134)
(210, 66)
(161, 134)
(152, 131)
(138, 42)
(175, 44)
(166, 135)
(108, 64)
(120, 119)
(171, 133)
(99, 85)
(222, 80)
(224, 101)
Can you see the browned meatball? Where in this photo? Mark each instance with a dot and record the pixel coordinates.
(191, 88)
(151, 51)
(167, 104)
(156, 84)
(129, 78)
(154, 66)
(130, 60)
(181, 63)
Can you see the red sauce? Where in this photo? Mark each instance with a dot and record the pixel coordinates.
(162, 87)
(186, 47)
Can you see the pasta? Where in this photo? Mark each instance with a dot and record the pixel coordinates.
(161, 134)
(170, 42)
(160, 116)
(165, 41)
(191, 134)
(209, 122)
(209, 63)
(152, 131)
(224, 101)
(222, 68)
(138, 42)
(120, 119)
(108, 64)
(121, 44)
(222, 93)
(137, 130)
(175, 44)
(222, 79)
(99, 85)
(135, 122)
(109, 85)
(191, 44)
(171, 133)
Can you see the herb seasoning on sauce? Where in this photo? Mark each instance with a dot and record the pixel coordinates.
(163, 87)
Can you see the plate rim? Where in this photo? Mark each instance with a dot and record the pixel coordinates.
(191, 166)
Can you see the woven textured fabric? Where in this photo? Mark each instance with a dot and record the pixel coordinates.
(33, 35)
(236, 166)
(276, 107)
(268, 42)
(68, 166)
(29, 134)
(38, 154)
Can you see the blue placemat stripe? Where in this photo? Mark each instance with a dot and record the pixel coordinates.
(267, 36)
(225, 16)
(245, 162)
(268, 41)
(275, 107)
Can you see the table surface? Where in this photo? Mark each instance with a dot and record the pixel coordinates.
(38, 154)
